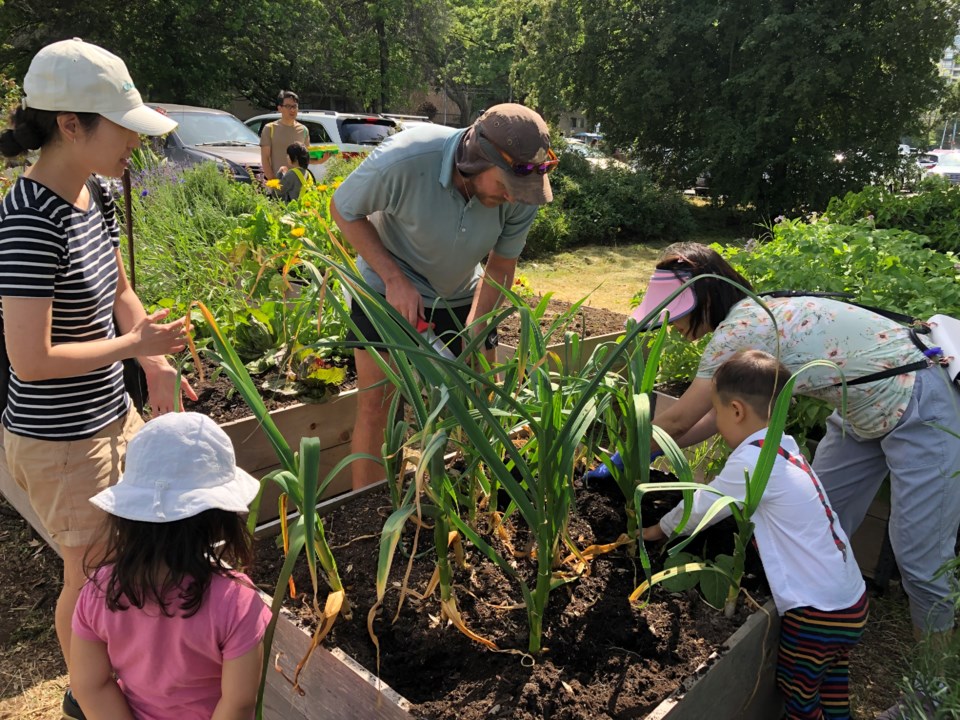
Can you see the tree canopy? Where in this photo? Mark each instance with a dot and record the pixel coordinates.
(780, 103)
(783, 103)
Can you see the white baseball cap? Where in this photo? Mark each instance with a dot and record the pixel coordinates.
(74, 76)
(177, 466)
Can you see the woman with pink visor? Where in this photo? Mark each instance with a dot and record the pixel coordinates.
(893, 425)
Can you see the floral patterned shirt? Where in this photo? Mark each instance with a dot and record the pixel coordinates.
(860, 342)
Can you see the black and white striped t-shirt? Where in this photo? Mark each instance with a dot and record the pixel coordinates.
(51, 249)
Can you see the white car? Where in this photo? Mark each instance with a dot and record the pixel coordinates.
(593, 156)
(348, 134)
(945, 163)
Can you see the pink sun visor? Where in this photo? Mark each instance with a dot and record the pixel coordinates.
(662, 284)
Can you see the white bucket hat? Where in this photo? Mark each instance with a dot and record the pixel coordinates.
(74, 76)
(177, 466)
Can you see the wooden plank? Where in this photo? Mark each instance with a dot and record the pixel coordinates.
(17, 497)
(331, 422)
(867, 541)
(505, 351)
(333, 689)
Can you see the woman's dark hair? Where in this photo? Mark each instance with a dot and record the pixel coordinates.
(754, 377)
(299, 154)
(31, 129)
(152, 563)
(714, 297)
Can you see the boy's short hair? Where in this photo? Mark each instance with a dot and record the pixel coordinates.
(287, 95)
(754, 377)
(299, 154)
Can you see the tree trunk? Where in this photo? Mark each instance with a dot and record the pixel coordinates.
(384, 64)
(462, 100)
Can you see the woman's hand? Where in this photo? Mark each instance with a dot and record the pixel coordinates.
(161, 382)
(150, 337)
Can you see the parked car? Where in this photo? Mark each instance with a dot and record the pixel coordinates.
(408, 121)
(350, 134)
(945, 163)
(596, 158)
(208, 135)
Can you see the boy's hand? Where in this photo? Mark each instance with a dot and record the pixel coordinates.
(653, 533)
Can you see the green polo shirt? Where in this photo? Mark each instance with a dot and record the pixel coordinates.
(406, 189)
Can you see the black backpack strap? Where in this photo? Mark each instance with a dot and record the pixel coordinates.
(915, 325)
(929, 354)
(96, 192)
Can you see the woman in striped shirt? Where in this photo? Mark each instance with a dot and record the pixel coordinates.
(69, 315)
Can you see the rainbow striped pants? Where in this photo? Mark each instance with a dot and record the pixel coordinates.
(812, 667)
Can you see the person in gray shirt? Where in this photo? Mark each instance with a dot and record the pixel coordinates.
(422, 211)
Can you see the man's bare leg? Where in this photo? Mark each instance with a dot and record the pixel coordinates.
(373, 404)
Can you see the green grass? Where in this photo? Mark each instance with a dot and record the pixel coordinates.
(612, 274)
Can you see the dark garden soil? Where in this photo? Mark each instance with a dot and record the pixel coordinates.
(587, 322)
(218, 398)
(604, 657)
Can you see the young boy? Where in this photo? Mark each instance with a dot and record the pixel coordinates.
(298, 175)
(806, 556)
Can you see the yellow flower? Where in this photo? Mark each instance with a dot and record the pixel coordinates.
(322, 188)
(275, 184)
(298, 231)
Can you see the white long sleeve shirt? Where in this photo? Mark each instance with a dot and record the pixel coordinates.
(806, 556)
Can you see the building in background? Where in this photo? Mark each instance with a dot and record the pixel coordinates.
(950, 62)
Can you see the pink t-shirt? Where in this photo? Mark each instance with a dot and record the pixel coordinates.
(170, 667)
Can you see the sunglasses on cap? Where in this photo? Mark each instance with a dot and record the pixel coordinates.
(522, 169)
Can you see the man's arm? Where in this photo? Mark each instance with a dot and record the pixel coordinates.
(267, 162)
(498, 271)
(363, 236)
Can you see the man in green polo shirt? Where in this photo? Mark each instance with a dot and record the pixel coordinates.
(280, 134)
(422, 211)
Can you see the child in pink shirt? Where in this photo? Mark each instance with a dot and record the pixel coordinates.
(165, 628)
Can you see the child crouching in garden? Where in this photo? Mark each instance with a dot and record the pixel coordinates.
(165, 611)
(806, 556)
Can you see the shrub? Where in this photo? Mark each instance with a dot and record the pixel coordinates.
(934, 211)
(605, 207)
(338, 167)
(180, 221)
(892, 269)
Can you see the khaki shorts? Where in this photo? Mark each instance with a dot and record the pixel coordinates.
(61, 477)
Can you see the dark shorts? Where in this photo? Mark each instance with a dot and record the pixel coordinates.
(446, 323)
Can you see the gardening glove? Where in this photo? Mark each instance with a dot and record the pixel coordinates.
(602, 472)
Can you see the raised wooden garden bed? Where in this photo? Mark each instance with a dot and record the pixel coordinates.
(563, 351)
(330, 421)
(735, 682)
(742, 665)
